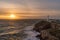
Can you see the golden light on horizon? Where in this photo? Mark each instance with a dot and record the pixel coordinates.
(12, 16)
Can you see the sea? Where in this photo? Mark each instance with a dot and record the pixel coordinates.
(21, 29)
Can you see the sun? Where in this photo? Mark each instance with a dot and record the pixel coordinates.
(12, 16)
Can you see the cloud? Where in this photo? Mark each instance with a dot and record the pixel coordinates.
(32, 7)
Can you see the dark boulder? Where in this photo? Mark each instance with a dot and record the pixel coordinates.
(42, 25)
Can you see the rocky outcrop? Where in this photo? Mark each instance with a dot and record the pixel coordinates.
(42, 25)
(47, 30)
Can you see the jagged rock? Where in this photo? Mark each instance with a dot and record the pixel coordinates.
(47, 36)
(46, 29)
(42, 25)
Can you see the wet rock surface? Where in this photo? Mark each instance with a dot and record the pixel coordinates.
(10, 37)
(47, 30)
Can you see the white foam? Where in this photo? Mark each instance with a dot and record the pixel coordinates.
(31, 35)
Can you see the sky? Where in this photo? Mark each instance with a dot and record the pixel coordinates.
(30, 8)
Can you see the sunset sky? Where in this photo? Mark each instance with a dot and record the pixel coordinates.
(30, 8)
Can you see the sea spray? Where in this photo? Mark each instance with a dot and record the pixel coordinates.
(31, 35)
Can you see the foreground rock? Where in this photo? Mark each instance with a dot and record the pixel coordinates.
(47, 30)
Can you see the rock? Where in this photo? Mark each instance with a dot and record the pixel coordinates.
(42, 25)
(44, 28)
(47, 36)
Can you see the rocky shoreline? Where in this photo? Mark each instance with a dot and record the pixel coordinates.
(47, 30)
